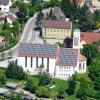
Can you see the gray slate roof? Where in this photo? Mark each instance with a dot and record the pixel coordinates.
(4, 2)
(3, 91)
(67, 56)
(58, 13)
(11, 85)
(38, 49)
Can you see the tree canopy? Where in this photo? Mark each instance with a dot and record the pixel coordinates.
(89, 50)
(14, 71)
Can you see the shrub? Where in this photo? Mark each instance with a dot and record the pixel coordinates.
(15, 72)
(43, 92)
(30, 86)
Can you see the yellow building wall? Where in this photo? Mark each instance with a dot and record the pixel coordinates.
(51, 33)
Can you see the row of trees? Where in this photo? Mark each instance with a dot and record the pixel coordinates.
(87, 89)
(82, 17)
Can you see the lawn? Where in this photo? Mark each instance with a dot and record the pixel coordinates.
(58, 84)
(2, 71)
(54, 91)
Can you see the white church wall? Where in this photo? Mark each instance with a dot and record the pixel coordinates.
(34, 63)
(21, 62)
(45, 63)
(65, 71)
(52, 66)
(39, 62)
(82, 67)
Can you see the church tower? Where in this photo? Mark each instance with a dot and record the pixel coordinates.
(76, 39)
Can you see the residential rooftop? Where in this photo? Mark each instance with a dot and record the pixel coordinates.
(60, 24)
(4, 2)
(90, 37)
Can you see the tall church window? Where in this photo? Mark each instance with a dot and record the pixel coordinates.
(31, 62)
(79, 66)
(36, 61)
(25, 61)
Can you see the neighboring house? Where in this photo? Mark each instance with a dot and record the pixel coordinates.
(88, 38)
(58, 62)
(78, 2)
(58, 13)
(2, 41)
(11, 18)
(54, 29)
(96, 4)
(5, 5)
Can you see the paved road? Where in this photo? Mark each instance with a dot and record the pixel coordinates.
(29, 35)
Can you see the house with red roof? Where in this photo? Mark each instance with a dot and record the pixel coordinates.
(56, 29)
(88, 38)
(11, 18)
(78, 2)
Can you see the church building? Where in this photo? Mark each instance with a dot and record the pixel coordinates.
(58, 62)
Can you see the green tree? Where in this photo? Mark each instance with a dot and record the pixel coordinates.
(33, 2)
(81, 92)
(14, 71)
(45, 79)
(43, 92)
(87, 22)
(61, 93)
(16, 28)
(6, 33)
(2, 80)
(54, 2)
(69, 9)
(38, 7)
(31, 12)
(23, 12)
(72, 85)
(18, 97)
(6, 26)
(94, 71)
(30, 86)
(89, 50)
(39, 18)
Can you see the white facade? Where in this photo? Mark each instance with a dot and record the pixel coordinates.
(5, 8)
(63, 72)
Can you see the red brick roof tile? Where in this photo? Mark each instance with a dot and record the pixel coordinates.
(57, 24)
(90, 37)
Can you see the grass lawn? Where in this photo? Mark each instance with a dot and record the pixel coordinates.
(58, 83)
(2, 71)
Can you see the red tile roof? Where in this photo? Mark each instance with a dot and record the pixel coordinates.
(78, 2)
(12, 17)
(82, 57)
(90, 37)
(57, 24)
